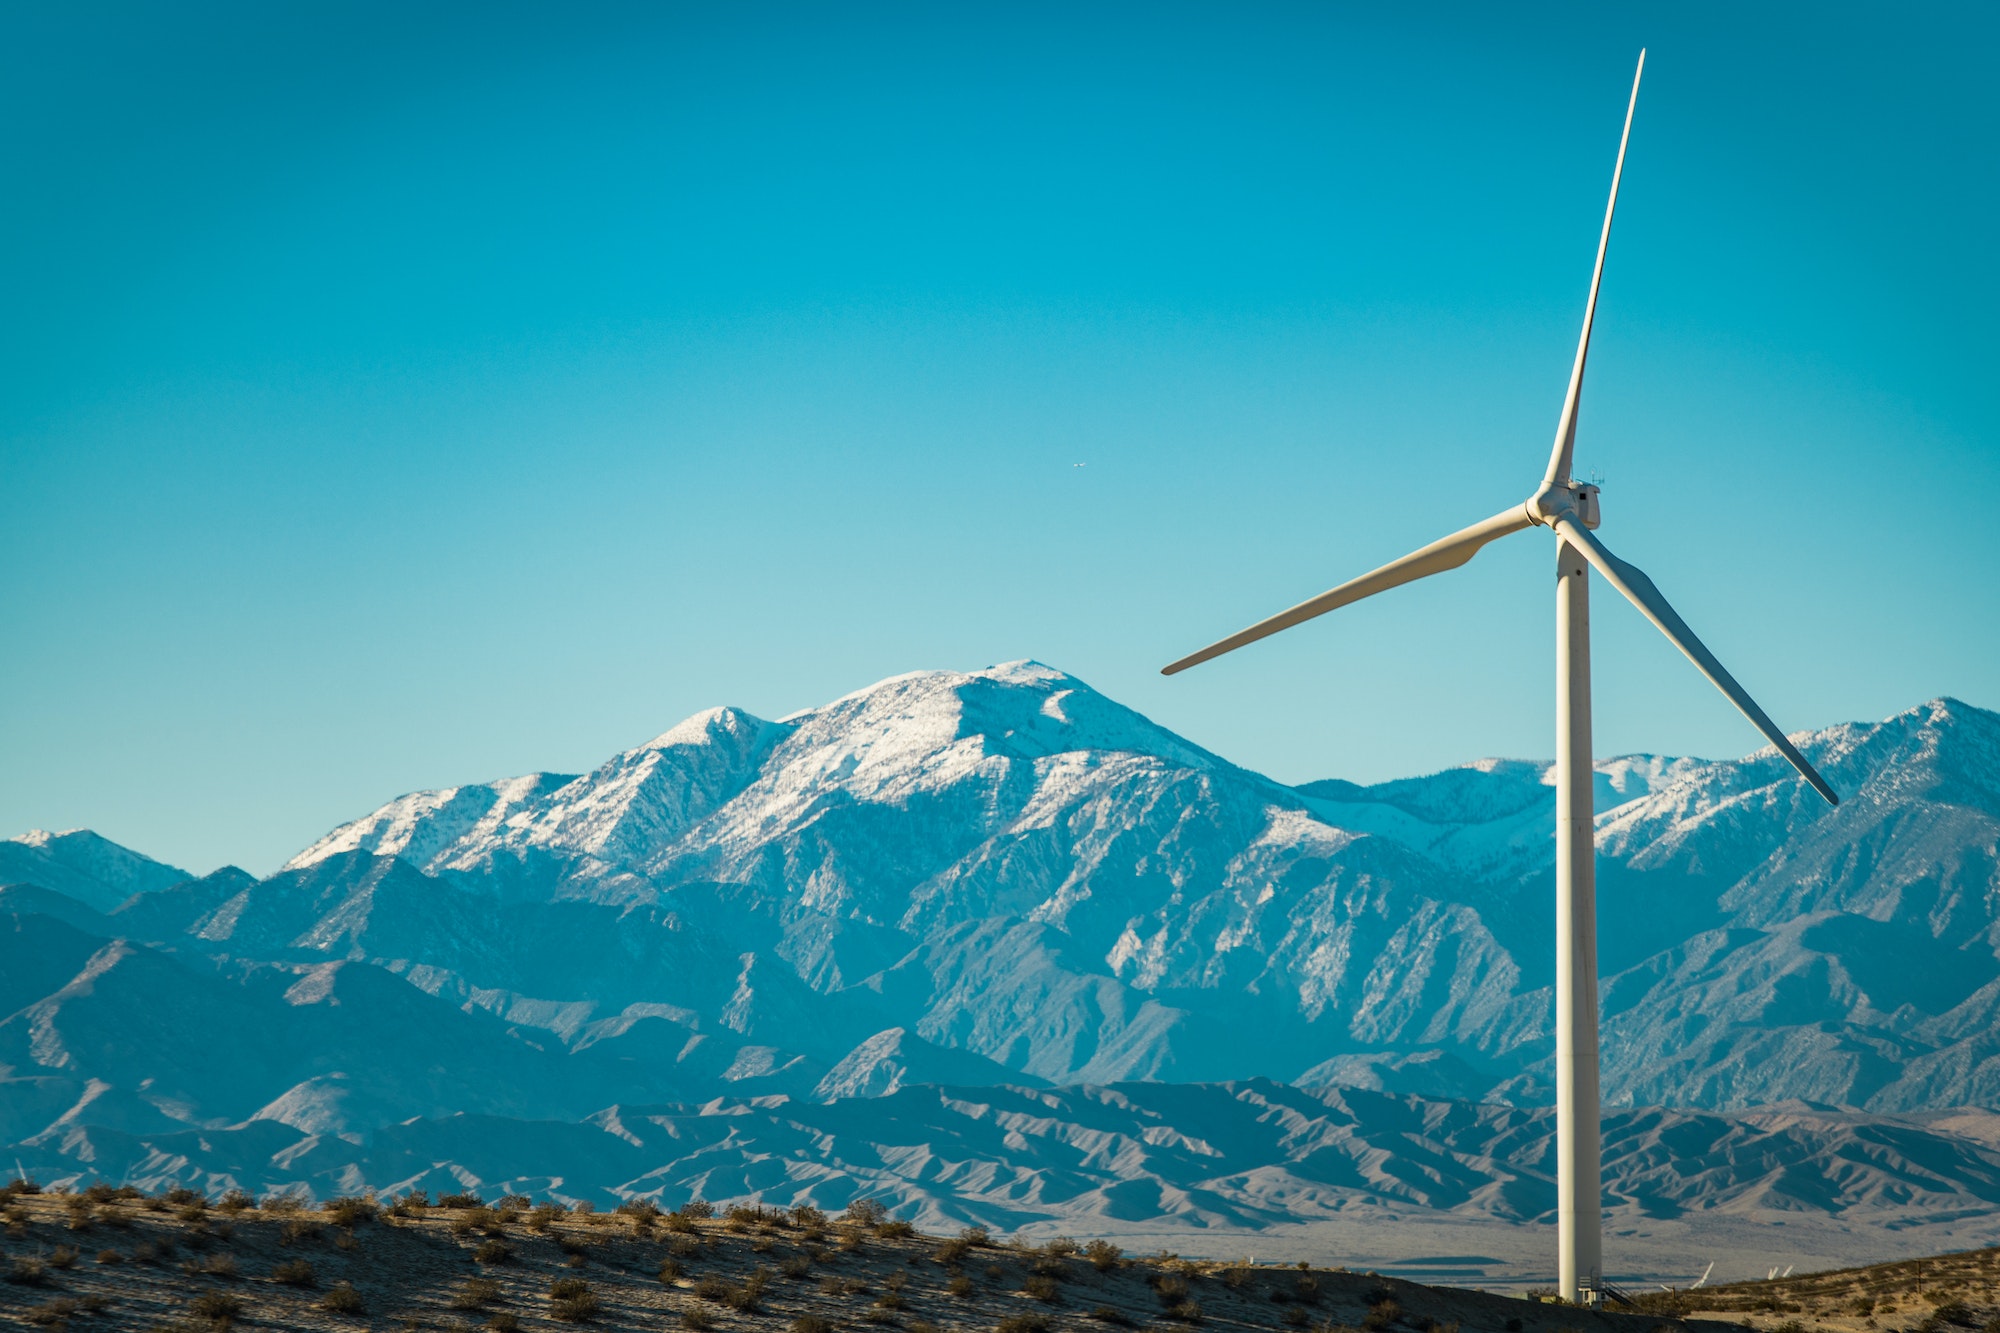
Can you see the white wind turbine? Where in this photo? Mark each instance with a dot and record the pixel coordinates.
(1569, 508)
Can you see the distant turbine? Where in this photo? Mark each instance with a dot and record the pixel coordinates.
(1570, 508)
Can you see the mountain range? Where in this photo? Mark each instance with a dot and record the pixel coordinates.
(1003, 879)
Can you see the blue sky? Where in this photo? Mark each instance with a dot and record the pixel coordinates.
(407, 395)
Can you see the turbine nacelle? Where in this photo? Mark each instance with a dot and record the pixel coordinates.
(1564, 499)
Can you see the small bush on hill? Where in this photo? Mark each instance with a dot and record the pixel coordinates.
(343, 1299)
(475, 1293)
(218, 1307)
(295, 1273)
(866, 1212)
(572, 1301)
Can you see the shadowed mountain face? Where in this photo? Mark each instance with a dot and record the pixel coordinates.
(1002, 875)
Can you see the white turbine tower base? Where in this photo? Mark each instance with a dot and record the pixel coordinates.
(1570, 510)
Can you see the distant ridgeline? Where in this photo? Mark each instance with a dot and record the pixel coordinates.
(1004, 881)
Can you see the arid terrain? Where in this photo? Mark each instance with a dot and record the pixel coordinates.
(114, 1260)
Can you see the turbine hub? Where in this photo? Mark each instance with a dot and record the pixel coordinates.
(1576, 498)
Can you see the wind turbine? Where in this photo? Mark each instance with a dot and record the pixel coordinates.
(1570, 509)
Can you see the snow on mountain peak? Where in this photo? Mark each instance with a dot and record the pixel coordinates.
(85, 865)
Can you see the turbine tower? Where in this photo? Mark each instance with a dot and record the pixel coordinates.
(1570, 509)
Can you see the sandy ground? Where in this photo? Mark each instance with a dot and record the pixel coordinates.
(71, 1263)
(1640, 1254)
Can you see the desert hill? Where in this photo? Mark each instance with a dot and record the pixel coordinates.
(113, 1260)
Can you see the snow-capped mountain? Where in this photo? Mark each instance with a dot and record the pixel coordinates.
(95, 871)
(974, 877)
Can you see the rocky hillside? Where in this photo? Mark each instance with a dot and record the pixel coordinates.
(121, 1262)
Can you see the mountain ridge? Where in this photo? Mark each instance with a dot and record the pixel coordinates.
(1003, 877)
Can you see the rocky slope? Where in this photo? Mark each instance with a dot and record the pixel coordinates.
(278, 1266)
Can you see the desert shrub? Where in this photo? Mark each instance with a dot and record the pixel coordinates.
(697, 1319)
(503, 1323)
(749, 1298)
(1305, 1289)
(1110, 1314)
(180, 1196)
(811, 1323)
(894, 1229)
(1171, 1288)
(952, 1251)
(684, 1246)
(1955, 1312)
(343, 1299)
(1381, 1314)
(475, 1293)
(344, 1240)
(295, 1273)
(1060, 1245)
(809, 1217)
(712, 1288)
(53, 1314)
(298, 1229)
(236, 1201)
(517, 1202)
(63, 1256)
(696, 1210)
(1023, 1323)
(670, 1271)
(866, 1212)
(572, 1301)
(460, 1201)
(891, 1300)
(28, 1272)
(842, 1286)
(493, 1252)
(976, 1236)
(220, 1307)
(220, 1265)
(110, 1257)
(962, 1287)
(1295, 1316)
(1103, 1255)
(1187, 1312)
(875, 1314)
(22, 1185)
(283, 1201)
(1043, 1288)
(919, 1326)
(796, 1266)
(639, 1210)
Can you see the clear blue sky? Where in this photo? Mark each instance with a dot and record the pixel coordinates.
(407, 395)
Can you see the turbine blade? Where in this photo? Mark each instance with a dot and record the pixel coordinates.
(1565, 446)
(1441, 555)
(1637, 589)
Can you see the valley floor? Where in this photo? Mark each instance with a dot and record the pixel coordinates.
(1639, 1253)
